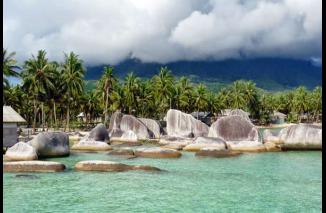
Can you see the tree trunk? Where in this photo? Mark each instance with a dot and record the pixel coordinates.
(35, 114)
(106, 116)
(43, 117)
(68, 118)
(55, 115)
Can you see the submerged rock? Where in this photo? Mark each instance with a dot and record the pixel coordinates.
(234, 128)
(21, 151)
(27, 176)
(110, 166)
(216, 153)
(153, 126)
(91, 146)
(123, 151)
(301, 136)
(33, 166)
(129, 122)
(157, 152)
(180, 124)
(51, 144)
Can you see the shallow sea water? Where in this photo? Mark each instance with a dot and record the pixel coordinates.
(258, 182)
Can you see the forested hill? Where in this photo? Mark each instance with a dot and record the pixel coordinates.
(268, 73)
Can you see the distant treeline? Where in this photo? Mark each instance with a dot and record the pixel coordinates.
(53, 94)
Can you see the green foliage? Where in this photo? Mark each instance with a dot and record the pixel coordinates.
(53, 93)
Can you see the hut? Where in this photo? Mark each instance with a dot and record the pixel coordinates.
(205, 117)
(278, 117)
(11, 119)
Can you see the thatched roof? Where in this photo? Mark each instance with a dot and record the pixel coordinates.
(11, 116)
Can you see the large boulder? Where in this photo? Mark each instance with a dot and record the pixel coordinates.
(33, 166)
(240, 113)
(234, 128)
(129, 122)
(91, 146)
(99, 133)
(157, 152)
(110, 166)
(114, 126)
(51, 144)
(301, 136)
(180, 124)
(153, 126)
(21, 151)
(205, 142)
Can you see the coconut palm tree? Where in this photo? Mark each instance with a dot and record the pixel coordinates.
(164, 88)
(200, 98)
(315, 102)
(107, 80)
(73, 74)
(9, 67)
(131, 86)
(300, 101)
(38, 80)
(237, 96)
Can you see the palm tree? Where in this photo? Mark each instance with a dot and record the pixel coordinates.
(164, 88)
(131, 86)
(73, 74)
(107, 80)
(9, 67)
(316, 102)
(56, 94)
(237, 96)
(300, 101)
(200, 97)
(38, 80)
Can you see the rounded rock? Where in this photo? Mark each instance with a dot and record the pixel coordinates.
(21, 151)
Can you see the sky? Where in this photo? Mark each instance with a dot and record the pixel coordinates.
(110, 31)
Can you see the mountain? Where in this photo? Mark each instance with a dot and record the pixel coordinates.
(268, 73)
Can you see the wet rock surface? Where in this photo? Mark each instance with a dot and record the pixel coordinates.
(33, 166)
(110, 166)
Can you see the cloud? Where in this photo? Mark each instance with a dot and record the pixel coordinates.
(103, 31)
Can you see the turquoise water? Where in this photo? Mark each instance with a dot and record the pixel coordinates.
(258, 182)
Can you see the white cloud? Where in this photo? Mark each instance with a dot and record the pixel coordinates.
(103, 31)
